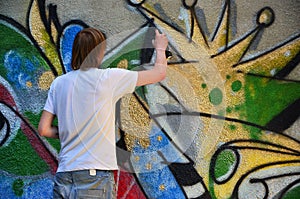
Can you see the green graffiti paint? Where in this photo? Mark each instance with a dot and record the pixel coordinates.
(34, 120)
(232, 127)
(127, 52)
(20, 158)
(224, 163)
(215, 96)
(265, 99)
(17, 187)
(236, 86)
(293, 193)
(229, 110)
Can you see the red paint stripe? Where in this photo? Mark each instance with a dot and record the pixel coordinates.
(35, 141)
(6, 96)
(38, 145)
(128, 188)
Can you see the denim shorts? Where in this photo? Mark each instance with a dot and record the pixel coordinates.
(84, 184)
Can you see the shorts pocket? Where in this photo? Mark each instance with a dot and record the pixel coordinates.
(90, 194)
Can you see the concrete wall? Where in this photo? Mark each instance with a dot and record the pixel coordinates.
(224, 123)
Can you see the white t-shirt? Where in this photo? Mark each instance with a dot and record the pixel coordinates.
(84, 103)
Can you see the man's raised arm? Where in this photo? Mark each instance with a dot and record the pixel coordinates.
(158, 72)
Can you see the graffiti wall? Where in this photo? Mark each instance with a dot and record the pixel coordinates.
(223, 124)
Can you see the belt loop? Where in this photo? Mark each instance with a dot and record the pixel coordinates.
(93, 172)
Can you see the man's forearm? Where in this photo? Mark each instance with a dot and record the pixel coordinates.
(158, 72)
(161, 56)
(50, 132)
(45, 127)
(160, 66)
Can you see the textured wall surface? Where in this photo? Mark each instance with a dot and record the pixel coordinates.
(224, 124)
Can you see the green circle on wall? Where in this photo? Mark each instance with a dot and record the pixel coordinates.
(18, 186)
(216, 96)
(236, 86)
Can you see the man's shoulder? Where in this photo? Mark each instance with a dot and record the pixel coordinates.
(119, 71)
(67, 75)
(64, 77)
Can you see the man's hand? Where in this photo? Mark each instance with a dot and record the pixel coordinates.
(160, 42)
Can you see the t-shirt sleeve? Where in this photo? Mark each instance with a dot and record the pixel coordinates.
(50, 105)
(123, 81)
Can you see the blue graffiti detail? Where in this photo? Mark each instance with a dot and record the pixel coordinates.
(20, 69)
(66, 45)
(153, 173)
(31, 188)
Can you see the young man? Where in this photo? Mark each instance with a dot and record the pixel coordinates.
(83, 101)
